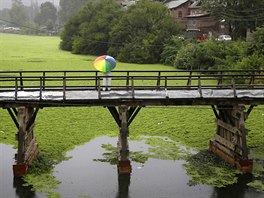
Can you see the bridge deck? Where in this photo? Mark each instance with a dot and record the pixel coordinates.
(142, 97)
(148, 88)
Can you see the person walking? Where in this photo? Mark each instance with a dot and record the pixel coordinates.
(107, 81)
(105, 64)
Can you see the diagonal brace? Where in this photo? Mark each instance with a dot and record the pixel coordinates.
(132, 113)
(13, 115)
(32, 119)
(250, 109)
(215, 112)
(115, 115)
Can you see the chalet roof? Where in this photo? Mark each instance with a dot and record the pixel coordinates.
(195, 4)
(175, 3)
(198, 15)
(128, 3)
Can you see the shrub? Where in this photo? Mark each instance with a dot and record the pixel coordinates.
(254, 61)
(197, 56)
(171, 50)
(185, 58)
(258, 36)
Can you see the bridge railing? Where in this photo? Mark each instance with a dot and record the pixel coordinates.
(130, 80)
(143, 82)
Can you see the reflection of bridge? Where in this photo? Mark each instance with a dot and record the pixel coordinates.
(23, 93)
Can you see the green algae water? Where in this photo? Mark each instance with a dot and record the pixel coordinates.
(157, 171)
(90, 172)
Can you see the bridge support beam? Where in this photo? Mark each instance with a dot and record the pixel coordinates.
(124, 166)
(230, 138)
(27, 145)
(124, 117)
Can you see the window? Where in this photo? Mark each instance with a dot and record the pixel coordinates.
(193, 12)
(180, 14)
(192, 24)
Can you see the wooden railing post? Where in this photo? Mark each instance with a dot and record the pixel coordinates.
(127, 80)
(158, 80)
(41, 88)
(43, 79)
(200, 86)
(21, 81)
(220, 80)
(189, 82)
(132, 87)
(234, 86)
(16, 88)
(98, 80)
(64, 88)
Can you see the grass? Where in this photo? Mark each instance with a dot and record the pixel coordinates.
(20, 52)
(59, 130)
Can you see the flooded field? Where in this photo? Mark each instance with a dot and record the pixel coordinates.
(89, 174)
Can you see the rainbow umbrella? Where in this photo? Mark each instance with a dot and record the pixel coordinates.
(104, 63)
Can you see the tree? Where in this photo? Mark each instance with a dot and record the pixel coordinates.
(87, 32)
(140, 34)
(4, 14)
(239, 15)
(258, 43)
(70, 32)
(17, 13)
(47, 15)
(68, 8)
(171, 48)
(32, 11)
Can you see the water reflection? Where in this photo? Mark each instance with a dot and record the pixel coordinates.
(82, 175)
(23, 191)
(238, 190)
(123, 186)
(92, 172)
(85, 176)
(11, 187)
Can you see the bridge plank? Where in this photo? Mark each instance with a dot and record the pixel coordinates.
(228, 127)
(228, 144)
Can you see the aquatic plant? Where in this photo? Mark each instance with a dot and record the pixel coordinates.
(207, 168)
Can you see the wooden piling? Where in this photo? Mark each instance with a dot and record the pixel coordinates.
(230, 138)
(27, 145)
(124, 166)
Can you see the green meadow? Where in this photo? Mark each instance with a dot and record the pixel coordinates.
(59, 130)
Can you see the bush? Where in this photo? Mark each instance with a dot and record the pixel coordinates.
(171, 50)
(197, 56)
(254, 61)
(185, 58)
(232, 53)
(213, 55)
(258, 36)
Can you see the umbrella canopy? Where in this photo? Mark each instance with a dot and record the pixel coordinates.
(104, 63)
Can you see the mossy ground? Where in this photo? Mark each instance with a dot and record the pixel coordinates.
(59, 130)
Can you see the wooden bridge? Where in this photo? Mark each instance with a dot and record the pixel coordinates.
(228, 92)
